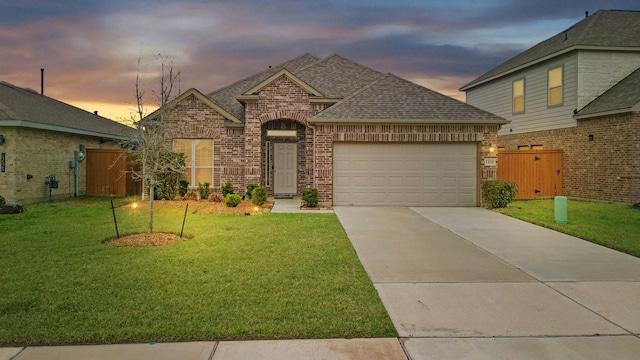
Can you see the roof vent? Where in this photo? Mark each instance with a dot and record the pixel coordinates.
(586, 14)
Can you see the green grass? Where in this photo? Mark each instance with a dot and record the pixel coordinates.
(266, 276)
(616, 226)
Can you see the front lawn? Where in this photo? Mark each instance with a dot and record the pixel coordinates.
(616, 226)
(265, 276)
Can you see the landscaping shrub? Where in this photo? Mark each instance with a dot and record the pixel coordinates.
(183, 187)
(310, 197)
(227, 188)
(250, 188)
(498, 194)
(2, 201)
(232, 200)
(203, 190)
(216, 197)
(259, 196)
(191, 194)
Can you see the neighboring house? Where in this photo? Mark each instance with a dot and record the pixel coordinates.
(578, 91)
(361, 137)
(39, 137)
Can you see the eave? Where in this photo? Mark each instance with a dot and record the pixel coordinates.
(57, 128)
(409, 121)
(548, 57)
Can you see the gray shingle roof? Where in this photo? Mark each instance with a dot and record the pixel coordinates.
(395, 99)
(622, 97)
(604, 29)
(23, 107)
(337, 77)
(367, 94)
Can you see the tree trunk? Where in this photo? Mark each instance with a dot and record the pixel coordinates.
(151, 196)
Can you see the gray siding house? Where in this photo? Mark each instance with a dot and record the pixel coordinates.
(572, 92)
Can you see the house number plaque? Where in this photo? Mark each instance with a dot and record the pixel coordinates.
(2, 162)
(490, 161)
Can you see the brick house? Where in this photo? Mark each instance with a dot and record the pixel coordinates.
(578, 91)
(39, 136)
(361, 137)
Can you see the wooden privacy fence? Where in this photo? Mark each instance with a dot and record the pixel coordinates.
(106, 173)
(538, 173)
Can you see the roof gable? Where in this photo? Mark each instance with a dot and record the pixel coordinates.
(393, 99)
(284, 72)
(200, 96)
(27, 108)
(226, 96)
(621, 98)
(606, 29)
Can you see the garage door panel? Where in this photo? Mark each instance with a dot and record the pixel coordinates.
(437, 174)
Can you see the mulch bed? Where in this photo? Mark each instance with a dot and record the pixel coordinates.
(195, 207)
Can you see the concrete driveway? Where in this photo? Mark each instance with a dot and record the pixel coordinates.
(470, 283)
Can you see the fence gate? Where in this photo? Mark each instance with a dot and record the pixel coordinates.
(538, 173)
(106, 173)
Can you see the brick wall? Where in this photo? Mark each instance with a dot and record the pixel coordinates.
(193, 119)
(40, 153)
(484, 136)
(281, 103)
(605, 168)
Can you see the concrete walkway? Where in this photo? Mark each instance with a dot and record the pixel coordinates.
(464, 283)
(458, 283)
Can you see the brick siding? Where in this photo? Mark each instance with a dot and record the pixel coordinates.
(605, 168)
(40, 153)
(239, 154)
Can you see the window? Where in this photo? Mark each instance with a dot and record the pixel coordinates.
(554, 84)
(537, 147)
(523, 147)
(284, 133)
(518, 96)
(199, 159)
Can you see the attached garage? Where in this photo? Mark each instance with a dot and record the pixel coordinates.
(405, 174)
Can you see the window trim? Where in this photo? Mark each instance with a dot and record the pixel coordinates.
(549, 88)
(514, 97)
(193, 166)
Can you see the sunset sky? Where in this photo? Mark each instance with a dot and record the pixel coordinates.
(90, 49)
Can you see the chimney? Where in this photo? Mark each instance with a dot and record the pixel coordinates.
(42, 82)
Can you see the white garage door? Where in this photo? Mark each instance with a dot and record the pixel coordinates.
(436, 174)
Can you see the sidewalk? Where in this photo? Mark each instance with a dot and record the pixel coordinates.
(339, 349)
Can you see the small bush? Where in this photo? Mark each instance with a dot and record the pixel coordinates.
(310, 197)
(227, 188)
(183, 187)
(2, 201)
(259, 196)
(191, 194)
(250, 188)
(498, 194)
(232, 200)
(216, 197)
(203, 190)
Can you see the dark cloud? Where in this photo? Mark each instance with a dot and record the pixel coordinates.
(90, 48)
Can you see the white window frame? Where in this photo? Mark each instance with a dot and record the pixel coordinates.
(193, 166)
(514, 97)
(561, 86)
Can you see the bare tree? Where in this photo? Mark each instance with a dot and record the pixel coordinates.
(149, 147)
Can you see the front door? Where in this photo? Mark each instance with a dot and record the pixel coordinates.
(285, 169)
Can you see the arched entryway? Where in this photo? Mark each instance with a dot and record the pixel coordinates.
(287, 157)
